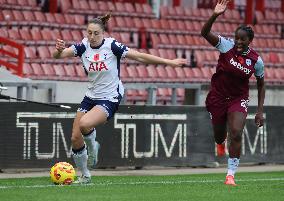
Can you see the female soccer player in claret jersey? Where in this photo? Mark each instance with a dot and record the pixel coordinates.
(101, 61)
(227, 100)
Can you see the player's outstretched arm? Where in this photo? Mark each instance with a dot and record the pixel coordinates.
(151, 59)
(61, 51)
(220, 8)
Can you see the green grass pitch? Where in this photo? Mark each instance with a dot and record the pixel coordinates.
(265, 186)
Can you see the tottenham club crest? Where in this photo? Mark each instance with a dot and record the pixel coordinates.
(248, 62)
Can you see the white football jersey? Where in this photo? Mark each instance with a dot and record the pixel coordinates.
(102, 64)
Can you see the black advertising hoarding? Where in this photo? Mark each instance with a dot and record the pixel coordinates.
(36, 136)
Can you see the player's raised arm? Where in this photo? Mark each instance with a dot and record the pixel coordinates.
(61, 51)
(151, 59)
(206, 29)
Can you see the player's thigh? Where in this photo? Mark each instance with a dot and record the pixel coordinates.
(236, 122)
(237, 113)
(96, 116)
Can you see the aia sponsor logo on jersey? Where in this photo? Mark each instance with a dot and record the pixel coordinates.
(240, 66)
(98, 66)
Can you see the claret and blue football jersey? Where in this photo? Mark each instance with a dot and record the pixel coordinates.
(234, 70)
(102, 64)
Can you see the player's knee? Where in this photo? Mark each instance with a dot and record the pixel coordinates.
(75, 139)
(84, 126)
(236, 134)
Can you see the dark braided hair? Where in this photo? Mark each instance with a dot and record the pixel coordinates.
(247, 29)
(102, 21)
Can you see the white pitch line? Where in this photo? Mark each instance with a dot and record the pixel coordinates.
(143, 183)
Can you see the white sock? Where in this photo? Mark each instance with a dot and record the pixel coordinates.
(233, 164)
(91, 139)
(80, 159)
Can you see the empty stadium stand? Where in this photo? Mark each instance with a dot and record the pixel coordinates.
(175, 34)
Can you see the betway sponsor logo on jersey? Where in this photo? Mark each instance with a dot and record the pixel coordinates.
(239, 66)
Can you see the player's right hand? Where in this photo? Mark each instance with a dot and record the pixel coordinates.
(60, 45)
(221, 7)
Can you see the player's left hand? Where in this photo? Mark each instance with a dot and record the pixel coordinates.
(178, 62)
(259, 119)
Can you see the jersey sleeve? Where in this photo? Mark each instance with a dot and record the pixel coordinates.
(79, 48)
(224, 44)
(259, 68)
(119, 49)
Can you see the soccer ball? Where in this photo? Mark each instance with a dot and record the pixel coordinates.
(62, 173)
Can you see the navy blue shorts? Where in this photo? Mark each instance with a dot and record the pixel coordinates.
(109, 107)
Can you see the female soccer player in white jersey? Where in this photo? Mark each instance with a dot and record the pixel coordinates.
(101, 61)
(227, 100)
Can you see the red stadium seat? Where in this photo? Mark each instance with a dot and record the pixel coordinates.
(123, 74)
(281, 57)
(164, 11)
(133, 74)
(14, 34)
(143, 73)
(27, 70)
(49, 71)
(47, 35)
(162, 73)
(32, 3)
(18, 15)
(84, 5)
(156, 24)
(163, 53)
(139, 8)
(65, 6)
(36, 34)
(59, 18)
(50, 18)
(103, 6)
(59, 71)
(171, 73)
(125, 38)
(66, 35)
(181, 76)
(76, 35)
(154, 52)
(8, 15)
(37, 69)
(69, 19)
(70, 71)
(4, 33)
(120, 7)
(138, 22)
(152, 72)
(25, 34)
(80, 72)
(147, 9)
(206, 72)
(30, 52)
(29, 16)
(179, 11)
(273, 58)
(39, 16)
(155, 40)
(129, 8)
(43, 52)
(259, 17)
(164, 39)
